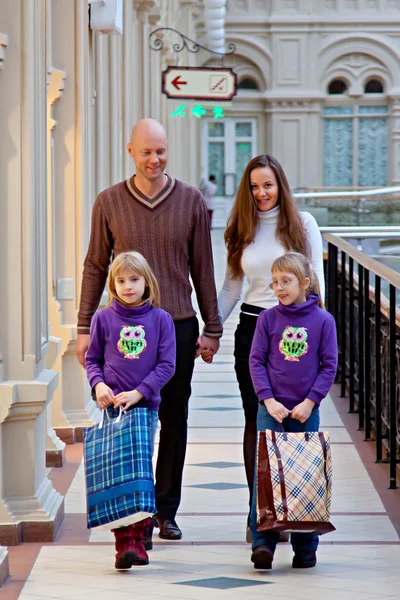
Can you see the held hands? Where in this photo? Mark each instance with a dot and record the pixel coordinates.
(127, 398)
(207, 347)
(276, 409)
(302, 411)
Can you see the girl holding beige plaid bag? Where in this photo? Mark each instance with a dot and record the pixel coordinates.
(293, 363)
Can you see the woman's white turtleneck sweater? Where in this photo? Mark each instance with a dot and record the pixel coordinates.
(257, 259)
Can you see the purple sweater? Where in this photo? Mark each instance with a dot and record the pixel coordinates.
(294, 353)
(132, 348)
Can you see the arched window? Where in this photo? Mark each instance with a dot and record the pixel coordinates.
(373, 86)
(248, 83)
(337, 86)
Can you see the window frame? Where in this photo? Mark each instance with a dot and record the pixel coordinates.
(368, 100)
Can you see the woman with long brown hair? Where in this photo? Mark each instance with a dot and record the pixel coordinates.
(263, 225)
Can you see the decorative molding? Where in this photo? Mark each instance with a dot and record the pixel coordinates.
(3, 46)
(55, 87)
(144, 5)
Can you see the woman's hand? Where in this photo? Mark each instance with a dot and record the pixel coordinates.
(104, 395)
(302, 411)
(127, 398)
(276, 409)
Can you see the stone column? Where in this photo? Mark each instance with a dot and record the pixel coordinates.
(117, 146)
(60, 336)
(155, 69)
(73, 193)
(27, 386)
(4, 568)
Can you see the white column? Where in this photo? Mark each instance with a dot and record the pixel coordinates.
(4, 568)
(115, 120)
(27, 386)
(101, 43)
(55, 448)
(73, 184)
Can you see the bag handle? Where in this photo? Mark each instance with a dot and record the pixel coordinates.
(104, 410)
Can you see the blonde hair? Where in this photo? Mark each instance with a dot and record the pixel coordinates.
(135, 263)
(301, 267)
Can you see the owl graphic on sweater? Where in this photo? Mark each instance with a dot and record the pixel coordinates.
(131, 341)
(293, 344)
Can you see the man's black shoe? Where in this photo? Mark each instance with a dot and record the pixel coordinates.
(169, 530)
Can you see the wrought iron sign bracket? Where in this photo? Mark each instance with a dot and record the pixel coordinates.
(184, 43)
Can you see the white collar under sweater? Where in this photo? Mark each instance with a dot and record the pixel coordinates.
(257, 261)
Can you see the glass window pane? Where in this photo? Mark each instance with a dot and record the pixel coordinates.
(244, 153)
(338, 110)
(372, 151)
(243, 129)
(216, 129)
(216, 164)
(373, 110)
(338, 152)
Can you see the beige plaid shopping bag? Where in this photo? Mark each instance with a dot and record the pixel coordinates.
(294, 484)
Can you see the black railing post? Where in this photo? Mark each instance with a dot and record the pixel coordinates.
(360, 347)
(351, 336)
(329, 280)
(335, 295)
(343, 327)
(367, 356)
(392, 387)
(378, 374)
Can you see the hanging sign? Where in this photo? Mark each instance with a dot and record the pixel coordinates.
(198, 83)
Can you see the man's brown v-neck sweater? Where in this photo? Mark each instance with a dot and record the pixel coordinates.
(171, 231)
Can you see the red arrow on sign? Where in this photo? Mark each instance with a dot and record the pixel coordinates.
(176, 83)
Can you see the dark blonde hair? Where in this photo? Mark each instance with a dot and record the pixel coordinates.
(135, 263)
(243, 220)
(301, 267)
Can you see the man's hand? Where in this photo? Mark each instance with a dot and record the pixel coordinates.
(207, 347)
(104, 395)
(276, 409)
(127, 398)
(302, 411)
(82, 344)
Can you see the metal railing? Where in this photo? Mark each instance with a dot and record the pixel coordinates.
(376, 206)
(368, 326)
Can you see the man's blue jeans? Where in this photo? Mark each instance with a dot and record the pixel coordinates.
(301, 542)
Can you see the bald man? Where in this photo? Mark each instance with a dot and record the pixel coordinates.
(167, 221)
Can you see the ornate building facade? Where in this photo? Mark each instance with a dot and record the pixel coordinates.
(319, 89)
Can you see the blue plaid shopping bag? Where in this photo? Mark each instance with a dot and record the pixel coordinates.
(119, 470)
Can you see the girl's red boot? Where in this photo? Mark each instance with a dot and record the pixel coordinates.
(125, 546)
(139, 534)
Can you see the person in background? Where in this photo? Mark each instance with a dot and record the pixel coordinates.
(293, 362)
(209, 191)
(264, 224)
(165, 220)
(131, 356)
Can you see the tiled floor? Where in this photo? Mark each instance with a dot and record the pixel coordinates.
(357, 562)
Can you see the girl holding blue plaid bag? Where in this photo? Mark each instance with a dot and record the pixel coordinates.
(131, 356)
(293, 363)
